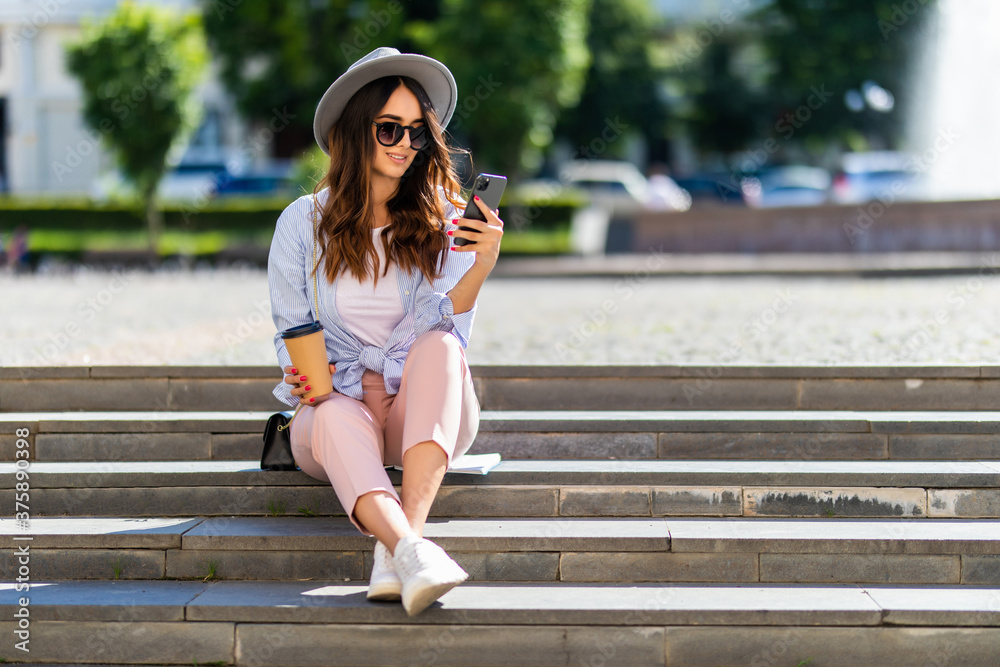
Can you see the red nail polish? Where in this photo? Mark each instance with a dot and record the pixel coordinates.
(477, 197)
(308, 387)
(302, 378)
(450, 233)
(295, 370)
(456, 220)
(312, 400)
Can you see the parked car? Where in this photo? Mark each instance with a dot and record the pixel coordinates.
(191, 181)
(265, 181)
(863, 177)
(714, 188)
(195, 180)
(621, 187)
(791, 185)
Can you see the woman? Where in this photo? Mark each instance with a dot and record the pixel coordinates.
(396, 300)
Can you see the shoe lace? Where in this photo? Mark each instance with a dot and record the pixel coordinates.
(384, 558)
(417, 557)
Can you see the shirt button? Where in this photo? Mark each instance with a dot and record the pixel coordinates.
(407, 291)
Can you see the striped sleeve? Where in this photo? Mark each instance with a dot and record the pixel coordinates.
(434, 308)
(286, 279)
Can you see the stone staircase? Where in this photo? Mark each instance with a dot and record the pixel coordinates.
(641, 515)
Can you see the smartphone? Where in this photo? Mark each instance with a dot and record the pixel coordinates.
(489, 188)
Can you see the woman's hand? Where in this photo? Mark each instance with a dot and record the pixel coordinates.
(487, 237)
(301, 384)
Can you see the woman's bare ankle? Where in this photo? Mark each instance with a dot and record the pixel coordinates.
(383, 517)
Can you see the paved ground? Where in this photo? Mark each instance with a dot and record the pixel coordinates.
(222, 317)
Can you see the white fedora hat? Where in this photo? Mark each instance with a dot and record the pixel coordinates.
(435, 78)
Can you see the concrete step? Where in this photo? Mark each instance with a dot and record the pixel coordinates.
(545, 434)
(715, 550)
(329, 622)
(722, 387)
(533, 488)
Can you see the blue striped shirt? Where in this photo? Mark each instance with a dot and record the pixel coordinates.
(426, 304)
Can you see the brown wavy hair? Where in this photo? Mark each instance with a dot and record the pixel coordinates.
(416, 211)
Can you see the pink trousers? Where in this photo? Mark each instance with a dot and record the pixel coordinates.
(348, 442)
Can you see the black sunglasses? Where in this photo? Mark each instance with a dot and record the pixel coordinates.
(391, 133)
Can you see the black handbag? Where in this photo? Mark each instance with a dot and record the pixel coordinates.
(277, 453)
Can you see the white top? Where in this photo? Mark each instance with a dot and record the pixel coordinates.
(371, 312)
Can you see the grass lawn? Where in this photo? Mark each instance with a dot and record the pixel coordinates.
(171, 242)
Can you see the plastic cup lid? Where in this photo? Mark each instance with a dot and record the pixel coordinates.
(302, 330)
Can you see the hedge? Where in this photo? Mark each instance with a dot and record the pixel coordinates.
(77, 214)
(227, 214)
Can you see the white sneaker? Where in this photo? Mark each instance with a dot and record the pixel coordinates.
(426, 570)
(385, 583)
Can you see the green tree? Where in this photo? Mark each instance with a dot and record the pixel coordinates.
(726, 113)
(138, 68)
(518, 65)
(837, 45)
(621, 82)
(282, 56)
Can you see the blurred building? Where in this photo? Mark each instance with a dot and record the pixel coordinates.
(41, 126)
